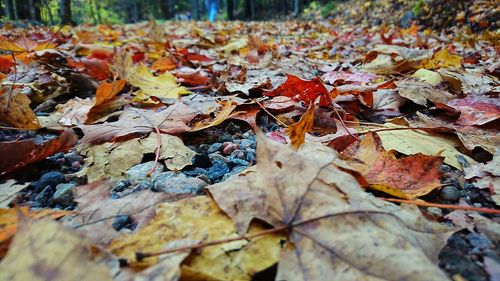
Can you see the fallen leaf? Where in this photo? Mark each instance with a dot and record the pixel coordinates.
(106, 91)
(74, 111)
(476, 110)
(8, 191)
(468, 81)
(163, 85)
(56, 254)
(134, 121)
(9, 220)
(297, 131)
(408, 177)
(163, 64)
(112, 159)
(30, 151)
(356, 77)
(335, 228)
(95, 68)
(443, 58)
(302, 90)
(16, 112)
(431, 77)
(199, 219)
(224, 111)
(411, 142)
(420, 92)
(97, 210)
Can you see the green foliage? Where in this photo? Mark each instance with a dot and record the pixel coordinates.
(417, 8)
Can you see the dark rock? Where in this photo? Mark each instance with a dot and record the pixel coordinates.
(217, 171)
(233, 128)
(43, 198)
(450, 193)
(72, 157)
(51, 179)
(64, 194)
(123, 221)
(178, 183)
(140, 172)
(194, 172)
(225, 137)
(214, 148)
(203, 148)
(445, 168)
(201, 161)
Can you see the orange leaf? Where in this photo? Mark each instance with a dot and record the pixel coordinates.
(97, 69)
(9, 219)
(107, 91)
(297, 131)
(163, 64)
(408, 177)
(16, 112)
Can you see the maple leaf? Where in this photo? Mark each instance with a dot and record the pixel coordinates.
(443, 58)
(476, 110)
(163, 85)
(335, 228)
(302, 90)
(408, 177)
(297, 131)
(106, 91)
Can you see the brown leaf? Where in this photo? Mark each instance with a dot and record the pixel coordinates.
(16, 112)
(336, 228)
(45, 250)
(476, 110)
(97, 210)
(30, 151)
(172, 120)
(408, 177)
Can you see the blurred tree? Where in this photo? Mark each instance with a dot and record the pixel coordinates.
(9, 9)
(65, 12)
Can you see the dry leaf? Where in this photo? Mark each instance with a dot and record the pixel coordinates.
(45, 250)
(420, 92)
(29, 151)
(297, 131)
(199, 219)
(8, 191)
(106, 91)
(408, 177)
(344, 233)
(163, 85)
(16, 112)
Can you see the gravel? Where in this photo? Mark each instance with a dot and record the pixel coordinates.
(178, 183)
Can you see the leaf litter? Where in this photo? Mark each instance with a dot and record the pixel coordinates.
(161, 153)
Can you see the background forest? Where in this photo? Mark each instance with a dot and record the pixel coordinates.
(129, 11)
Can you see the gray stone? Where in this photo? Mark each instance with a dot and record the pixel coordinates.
(239, 162)
(214, 148)
(450, 193)
(139, 172)
(49, 179)
(178, 183)
(234, 171)
(64, 194)
(436, 212)
(246, 143)
(45, 195)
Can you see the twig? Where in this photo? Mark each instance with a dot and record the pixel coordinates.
(267, 111)
(343, 124)
(398, 129)
(442, 206)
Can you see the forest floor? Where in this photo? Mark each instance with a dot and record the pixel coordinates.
(249, 151)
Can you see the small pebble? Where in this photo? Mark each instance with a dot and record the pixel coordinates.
(229, 147)
(214, 148)
(49, 179)
(450, 193)
(435, 211)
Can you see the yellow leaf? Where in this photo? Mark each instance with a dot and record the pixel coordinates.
(16, 112)
(199, 219)
(429, 76)
(411, 142)
(297, 131)
(224, 113)
(45, 250)
(159, 86)
(443, 58)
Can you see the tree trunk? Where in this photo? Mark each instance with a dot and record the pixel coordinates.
(230, 9)
(297, 7)
(23, 9)
(195, 8)
(65, 11)
(9, 9)
(34, 8)
(250, 9)
(134, 11)
(165, 9)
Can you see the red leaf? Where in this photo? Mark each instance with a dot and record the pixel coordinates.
(303, 90)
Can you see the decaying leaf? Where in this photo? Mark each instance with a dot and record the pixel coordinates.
(45, 250)
(106, 91)
(476, 110)
(420, 92)
(408, 177)
(113, 159)
(337, 229)
(16, 112)
(199, 219)
(8, 191)
(29, 151)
